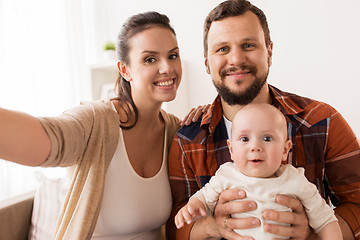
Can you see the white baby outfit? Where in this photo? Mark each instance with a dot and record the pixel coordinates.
(289, 181)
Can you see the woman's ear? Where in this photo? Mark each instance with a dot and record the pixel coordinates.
(124, 71)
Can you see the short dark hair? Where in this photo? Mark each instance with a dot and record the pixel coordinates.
(233, 8)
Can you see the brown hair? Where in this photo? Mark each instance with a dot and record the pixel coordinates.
(233, 8)
(135, 24)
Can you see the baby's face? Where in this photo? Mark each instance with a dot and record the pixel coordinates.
(259, 143)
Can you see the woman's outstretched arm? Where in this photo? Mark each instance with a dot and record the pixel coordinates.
(22, 138)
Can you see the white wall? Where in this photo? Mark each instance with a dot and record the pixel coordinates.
(316, 47)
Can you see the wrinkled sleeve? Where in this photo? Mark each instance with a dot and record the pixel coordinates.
(183, 185)
(68, 135)
(317, 210)
(342, 170)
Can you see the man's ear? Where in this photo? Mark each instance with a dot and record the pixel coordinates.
(206, 64)
(270, 53)
(124, 71)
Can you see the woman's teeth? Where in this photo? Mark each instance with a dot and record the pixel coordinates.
(165, 83)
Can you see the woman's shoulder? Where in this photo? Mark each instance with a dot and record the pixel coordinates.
(99, 105)
(94, 112)
(170, 118)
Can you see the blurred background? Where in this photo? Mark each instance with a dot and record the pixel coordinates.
(52, 57)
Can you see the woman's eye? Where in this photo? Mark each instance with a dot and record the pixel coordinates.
(149, 60)
(173, 56)
(267, 139)
(244, 139)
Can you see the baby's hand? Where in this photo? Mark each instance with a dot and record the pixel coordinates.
(189, 213)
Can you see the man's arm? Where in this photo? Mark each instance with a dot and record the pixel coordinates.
(342, 167)
(345, 228)
(183, 185)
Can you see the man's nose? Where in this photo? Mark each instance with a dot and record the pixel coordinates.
(236, 57)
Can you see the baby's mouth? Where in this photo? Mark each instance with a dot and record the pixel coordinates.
(256, 161)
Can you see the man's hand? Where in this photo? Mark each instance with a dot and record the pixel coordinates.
(194, 114)
(226, 206)
(299, 224)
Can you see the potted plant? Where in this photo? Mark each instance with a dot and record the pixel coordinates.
(109, 51)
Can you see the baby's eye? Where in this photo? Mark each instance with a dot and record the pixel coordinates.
(244, 139)
(267, 138)
(149, 60)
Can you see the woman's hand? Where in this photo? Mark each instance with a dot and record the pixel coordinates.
(299, 224)
(226, 206)
(194, 114)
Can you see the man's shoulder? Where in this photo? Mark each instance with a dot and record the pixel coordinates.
(191, 131)
(304, 107)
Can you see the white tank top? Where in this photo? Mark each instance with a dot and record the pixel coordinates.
(133, 207)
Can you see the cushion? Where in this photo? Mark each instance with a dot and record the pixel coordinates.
(48, 202)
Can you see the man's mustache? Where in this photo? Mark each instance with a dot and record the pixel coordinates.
(250, 68)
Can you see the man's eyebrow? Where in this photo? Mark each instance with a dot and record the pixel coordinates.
(250, 40)
(155, 52)
(242, 40)
(220, 44)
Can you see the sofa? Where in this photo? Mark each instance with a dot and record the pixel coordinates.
(33, 215)
(15, 217)
(17, 221)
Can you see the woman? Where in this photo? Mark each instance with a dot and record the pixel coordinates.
(118, 148)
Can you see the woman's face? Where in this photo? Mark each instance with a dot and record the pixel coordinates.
(154, 69)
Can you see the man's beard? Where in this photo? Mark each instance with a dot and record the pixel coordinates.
(248, 95)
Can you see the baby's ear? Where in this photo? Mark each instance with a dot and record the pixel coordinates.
(230, 147)
(287, 147)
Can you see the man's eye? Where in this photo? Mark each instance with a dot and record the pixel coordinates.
(248, 46)
(267, 139)
(244, 139)
(223, 49)
(149, 60)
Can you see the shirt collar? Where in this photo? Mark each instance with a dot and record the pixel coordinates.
(213, 115)
(282, 100)
(289, 104)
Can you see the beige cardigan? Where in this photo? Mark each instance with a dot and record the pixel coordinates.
(86, 137)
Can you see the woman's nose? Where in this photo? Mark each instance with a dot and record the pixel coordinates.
(166, 67)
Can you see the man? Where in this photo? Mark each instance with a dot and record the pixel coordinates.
(238, 54)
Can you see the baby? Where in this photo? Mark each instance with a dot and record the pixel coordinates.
(258, 146)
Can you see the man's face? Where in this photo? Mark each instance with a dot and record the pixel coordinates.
(238, 59)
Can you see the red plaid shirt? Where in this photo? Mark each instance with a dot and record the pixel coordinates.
(323, 144)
